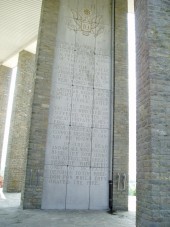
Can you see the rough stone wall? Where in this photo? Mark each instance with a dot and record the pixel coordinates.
(121, 134)
(5, 78)
(20, 121)
(37, 142)
(153, 112)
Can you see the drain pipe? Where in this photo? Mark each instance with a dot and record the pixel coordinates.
(111, 169)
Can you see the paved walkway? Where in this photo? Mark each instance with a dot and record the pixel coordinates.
(11, 215)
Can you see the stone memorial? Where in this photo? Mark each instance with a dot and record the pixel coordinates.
(78, 141)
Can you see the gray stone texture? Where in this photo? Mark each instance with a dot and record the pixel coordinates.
(121, 139)
(44, 88)
(77, 151)
(153, 112)
(40, 108)
(5, 79)
(13, 216)
(20, 122)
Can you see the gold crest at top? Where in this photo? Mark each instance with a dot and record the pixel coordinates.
(87, 22)
(87, 12)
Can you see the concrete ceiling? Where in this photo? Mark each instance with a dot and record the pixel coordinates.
(19, 22)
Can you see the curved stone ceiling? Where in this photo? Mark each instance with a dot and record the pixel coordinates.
(19, 22)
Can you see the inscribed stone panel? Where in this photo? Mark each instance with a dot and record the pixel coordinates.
(102, 72)
(80, 146)
(60, 105)
(78, 135)
(100, 148)
(99, 189)
(78, 188)
(82, 102)
(57, 145)
(103, 41)
(101, 111)
(63, 68)
(54, 190)
(84, 67)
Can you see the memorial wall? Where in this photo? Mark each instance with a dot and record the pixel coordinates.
(78, 140)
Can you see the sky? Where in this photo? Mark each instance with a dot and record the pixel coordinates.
(7, 122)
(132, 96)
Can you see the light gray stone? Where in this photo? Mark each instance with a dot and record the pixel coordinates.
(82, 104)
(78, 188)
(57, 145)
(103, 40)
(54, 190)
(102, 78)
(17, 217)
(80, 146)
(84, 67)
(60, 104)
(63, 68)
(99, 189)
(103, 10)
(101, 111)
(79, 115)
(100, 148)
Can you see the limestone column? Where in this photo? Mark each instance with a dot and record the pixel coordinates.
(70, 128)
(5, 79)
(20, 122)
(32, 195)
(121, 133)
(153, 112)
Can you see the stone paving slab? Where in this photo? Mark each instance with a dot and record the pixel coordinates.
(11, 215)
(17, 217)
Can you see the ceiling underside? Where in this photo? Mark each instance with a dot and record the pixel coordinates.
(19, 22)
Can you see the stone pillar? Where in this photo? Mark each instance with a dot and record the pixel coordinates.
(5, 79)
(153, 112)
(20, 122)
(71, 108)
(40, 108)
(121, 133)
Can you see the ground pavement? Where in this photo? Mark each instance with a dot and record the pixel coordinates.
(11, 215)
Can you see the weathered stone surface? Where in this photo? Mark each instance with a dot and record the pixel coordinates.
(74, 80)
(20, 122)
(40, 108)
(81, 108)
(121, 143)
(18, 217)
(5, 78)
(153, 104)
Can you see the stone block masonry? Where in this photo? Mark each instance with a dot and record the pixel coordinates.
(39, 122)
(5, 79)
(20, 122)
(121, 133)
(153, 112)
